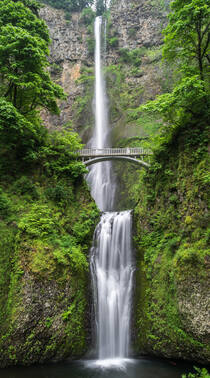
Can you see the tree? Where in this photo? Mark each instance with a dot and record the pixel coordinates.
(19, 14)
(18, 136)
(101, 6)
(25, 81)
(26, 86)
(186, 44)
(187, 35)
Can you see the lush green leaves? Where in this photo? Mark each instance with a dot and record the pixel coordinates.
(18, 14)
(187, 102)
(59, 155)
(186, 44)
(18, 136)
(187, 35)
(26, 83)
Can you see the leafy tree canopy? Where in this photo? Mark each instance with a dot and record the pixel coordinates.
(18, 136)
(26, 87)
(24, 43)
(186, 44)
(187, 35)
(16, 13)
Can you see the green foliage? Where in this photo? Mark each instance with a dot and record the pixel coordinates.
(91, 46)
(187, 35)
(59, 155)
(18, 136)
(187, 103)
(25, 186)
(101, 6)
(71, 255)
(23, 48)
(43, 244)
(172, 233)
(39, 222)
(132, 57)
(113, 42)
(60, 194)
(26, 86)
(55, 69)
(88, 16)
(5, 204)
(200, 373)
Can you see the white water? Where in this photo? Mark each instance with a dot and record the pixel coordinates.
(111, 257)
(100, 177)
(111, 267)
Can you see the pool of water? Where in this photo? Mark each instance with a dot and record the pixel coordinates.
(138, 368)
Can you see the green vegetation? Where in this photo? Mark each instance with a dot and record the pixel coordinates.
(200, 373)
(171, 214)
(47, 216)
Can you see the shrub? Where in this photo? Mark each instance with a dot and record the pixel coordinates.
(25, 186)
(38, 222)
(113, 42)
(87, 16)
(132, 57)
(5, 204)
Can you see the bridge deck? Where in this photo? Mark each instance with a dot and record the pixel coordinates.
(102, 152)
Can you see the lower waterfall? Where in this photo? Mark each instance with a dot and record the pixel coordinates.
(112, 272)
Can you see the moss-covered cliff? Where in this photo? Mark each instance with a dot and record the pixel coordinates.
(46, 225)
(172, 278)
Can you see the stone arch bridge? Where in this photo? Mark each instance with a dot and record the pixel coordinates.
(135, 155)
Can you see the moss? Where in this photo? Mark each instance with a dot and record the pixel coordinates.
(172, 243)
(44, 296)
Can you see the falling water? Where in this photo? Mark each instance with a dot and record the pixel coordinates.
(100, 180)
(111, 257)
(111, 267)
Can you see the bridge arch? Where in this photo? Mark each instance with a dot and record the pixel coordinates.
(124, 158)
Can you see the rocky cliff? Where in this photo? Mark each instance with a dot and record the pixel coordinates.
(46, 231)
(173, 261)
(132, 64)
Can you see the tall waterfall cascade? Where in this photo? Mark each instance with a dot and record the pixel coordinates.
(100, 177)
(111, 256)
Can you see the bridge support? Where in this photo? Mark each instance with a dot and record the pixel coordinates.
(122, 158)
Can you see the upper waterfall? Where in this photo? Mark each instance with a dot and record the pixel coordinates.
(99, 177)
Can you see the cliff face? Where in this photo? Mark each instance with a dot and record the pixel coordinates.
(171, 293)
(44, 277)
(138, 23)
(68, 54)
(132, 28)
(172, 296)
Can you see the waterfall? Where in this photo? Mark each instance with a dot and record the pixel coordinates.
(112, 270)
(111, 254)
(100, 178)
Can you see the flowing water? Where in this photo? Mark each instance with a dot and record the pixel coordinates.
(111, 257)
(142, 368)
(112, 272)
(100, 177)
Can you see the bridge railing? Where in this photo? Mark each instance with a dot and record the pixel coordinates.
(127, 151)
